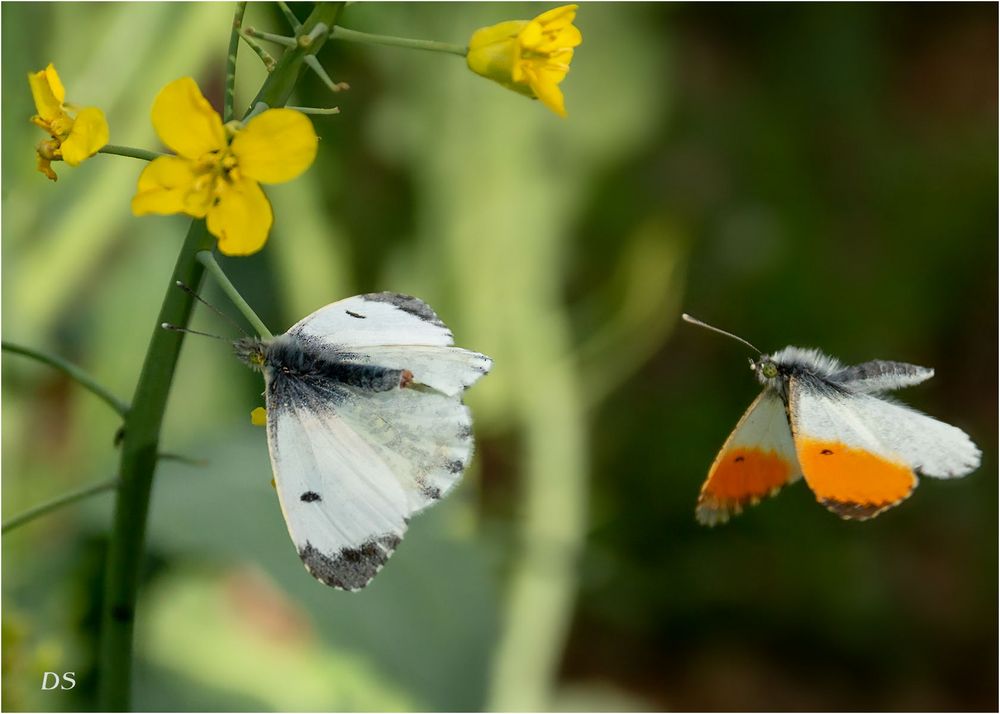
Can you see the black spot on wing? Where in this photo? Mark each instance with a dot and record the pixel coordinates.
(354, 314)
(409, 304)
(350, 568)
(310, 497)
(455, 467)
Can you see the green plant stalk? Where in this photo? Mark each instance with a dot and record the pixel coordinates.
(138, 464)
(278, 86)
(229, 95)
(70, 370)
(342, 33)
(58, 502)
(208, 260)
(130, 152)
(142, 425)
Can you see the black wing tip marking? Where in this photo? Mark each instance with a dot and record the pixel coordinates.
(407, 303)
(350, 568)
(857, 511)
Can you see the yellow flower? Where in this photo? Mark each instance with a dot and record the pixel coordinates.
(529, 56)
(218, 169)
(75, 136)
(258, 417)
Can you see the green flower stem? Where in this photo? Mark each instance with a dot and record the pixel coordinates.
(342, 33)
(293, 21)
(131, 152)
(234, 46)
(138, 464)
(279, 84)
(271, 37)
(144, 419)
(71, 371)
(206, 258)
(142, 424)
(316, 110)
(264, 55)
(58, 502)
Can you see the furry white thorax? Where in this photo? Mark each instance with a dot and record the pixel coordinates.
(808, 358)
(794, 359)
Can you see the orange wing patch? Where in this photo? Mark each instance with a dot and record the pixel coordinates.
(853, 483)
(741, 476)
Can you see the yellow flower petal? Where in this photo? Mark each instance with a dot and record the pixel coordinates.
(564, 39)
(241, 219)
(44, 164)
(258, 417)
(275, 146)
(528, 56)
(163, 186)
(89, 133)
(48, 103)
(547, 90)
(185, 121)
(55, 83)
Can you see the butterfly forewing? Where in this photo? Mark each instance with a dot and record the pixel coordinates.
(849, 468)
(344, 508)
(757, 459)
(372, 320)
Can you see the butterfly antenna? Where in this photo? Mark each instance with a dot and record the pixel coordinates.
(176, 328)
(699, 323)
(211, 307)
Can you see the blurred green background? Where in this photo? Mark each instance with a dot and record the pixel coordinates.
(818, 175)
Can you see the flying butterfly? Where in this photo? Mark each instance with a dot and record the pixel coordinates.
(832, 425)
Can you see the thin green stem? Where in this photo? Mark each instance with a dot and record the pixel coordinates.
(289, 16)
(131, 152)
(280, 83)
(234, 46)
(271, 37)
(206, 258)
(316, 110)
(342, 33)
(138, 464)
(265, 56)
(71, 371)
(140, 445)
(58, 502)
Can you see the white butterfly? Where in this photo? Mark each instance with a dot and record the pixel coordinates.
(858, 450)
(365, 425)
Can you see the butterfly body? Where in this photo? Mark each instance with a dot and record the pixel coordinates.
(832, 425)
(365, 426)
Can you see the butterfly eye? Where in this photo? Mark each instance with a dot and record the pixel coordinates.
(769, 370)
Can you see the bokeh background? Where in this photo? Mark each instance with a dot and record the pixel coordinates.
(818, 175)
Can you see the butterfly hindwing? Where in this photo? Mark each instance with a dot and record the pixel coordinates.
(757, 459)
(850, 469)
(880, 376)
